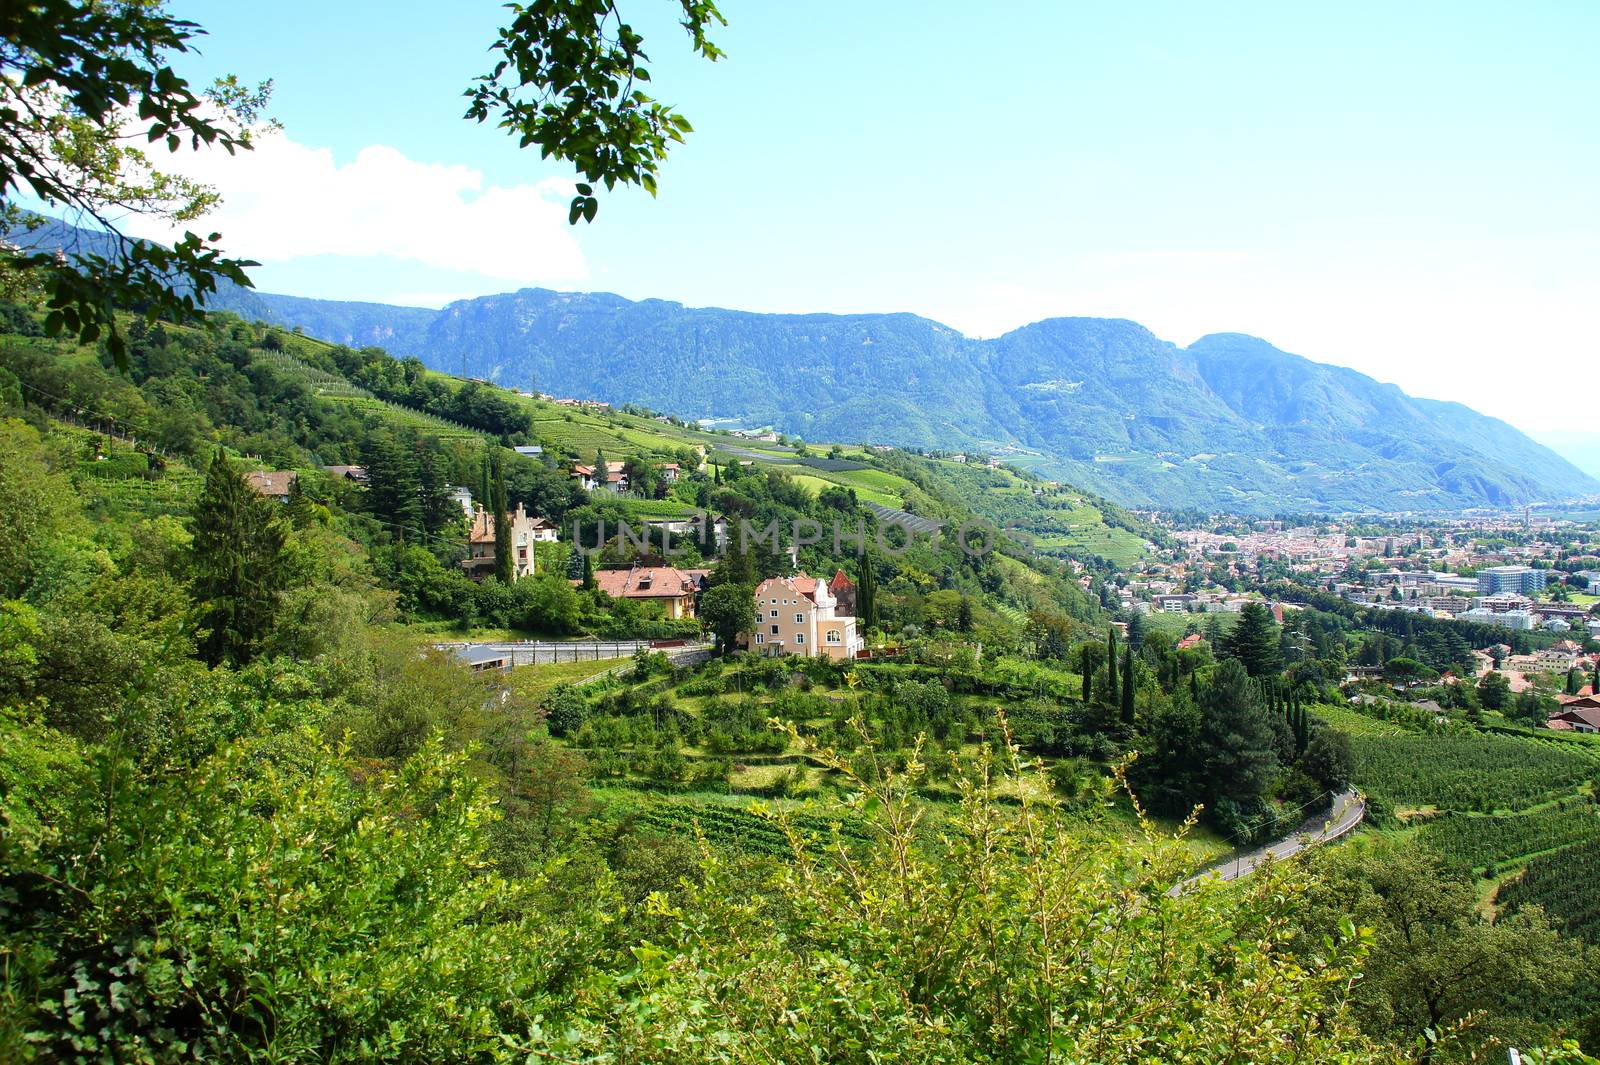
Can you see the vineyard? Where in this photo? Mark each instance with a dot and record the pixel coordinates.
(740, 829)
(1478, 844)
(426, 424)
(1564, 884)
(1465, 771)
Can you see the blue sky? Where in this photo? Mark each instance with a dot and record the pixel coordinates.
(1406, 189)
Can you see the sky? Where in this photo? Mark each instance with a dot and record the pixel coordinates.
(1406, 189)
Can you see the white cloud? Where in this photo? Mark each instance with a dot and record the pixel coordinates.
(286, 201)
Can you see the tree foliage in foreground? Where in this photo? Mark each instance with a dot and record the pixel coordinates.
(275, 902)
(85, 93)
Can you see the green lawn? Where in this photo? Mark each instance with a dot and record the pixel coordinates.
(535, 682)
(818, 482)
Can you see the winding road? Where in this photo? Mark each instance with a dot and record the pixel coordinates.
(1346, 813)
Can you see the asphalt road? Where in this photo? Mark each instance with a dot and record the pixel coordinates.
(1346, 813)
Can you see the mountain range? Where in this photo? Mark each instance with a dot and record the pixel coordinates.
(1228, 423)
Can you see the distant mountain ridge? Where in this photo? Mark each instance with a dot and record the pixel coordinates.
(1229, 423)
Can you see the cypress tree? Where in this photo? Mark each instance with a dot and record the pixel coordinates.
(502, 528)
(1573, 683)
(1127, 687)
(588, 571)
(867, 594)
(1086, 667)
(483, 481)
(1194, 686)
(1594, 681)
(1113, 695)
(237, 565)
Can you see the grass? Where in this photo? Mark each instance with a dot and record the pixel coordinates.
(816, 483)
(535, 682)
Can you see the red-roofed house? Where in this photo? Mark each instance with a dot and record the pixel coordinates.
(673, 588)
(1190, 641)
(843, 590)
(798, 616)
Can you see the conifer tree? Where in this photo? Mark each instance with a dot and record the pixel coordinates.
(1254, 641)
(1127, 688)
(1241, 765)
(483, 481)
(238, 565)
(502, 528)
(1573, 683)
(588, 571)
(602, 472)
(1113, 695)
(298, 507)
(964, 615)
(867, 594)
(438, 509)
(1086, 667)
(394, 489)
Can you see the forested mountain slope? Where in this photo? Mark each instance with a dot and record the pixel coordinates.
(1230, 422)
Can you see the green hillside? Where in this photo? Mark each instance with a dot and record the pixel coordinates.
(1229, 423)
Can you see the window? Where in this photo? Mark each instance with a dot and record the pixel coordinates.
(774, 630)
(774, 613)
(761, 637)
(799, 619)
(799, 638)
(834, 636)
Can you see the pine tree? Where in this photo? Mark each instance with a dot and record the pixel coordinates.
(1086, 667)
(502, 527)
(867, 594)
(1241, 765)
(1127, 688)
(438, 509)
(298, 506)
(1113, 694)
(238, 566)
(394, 489)
(1254, 641)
